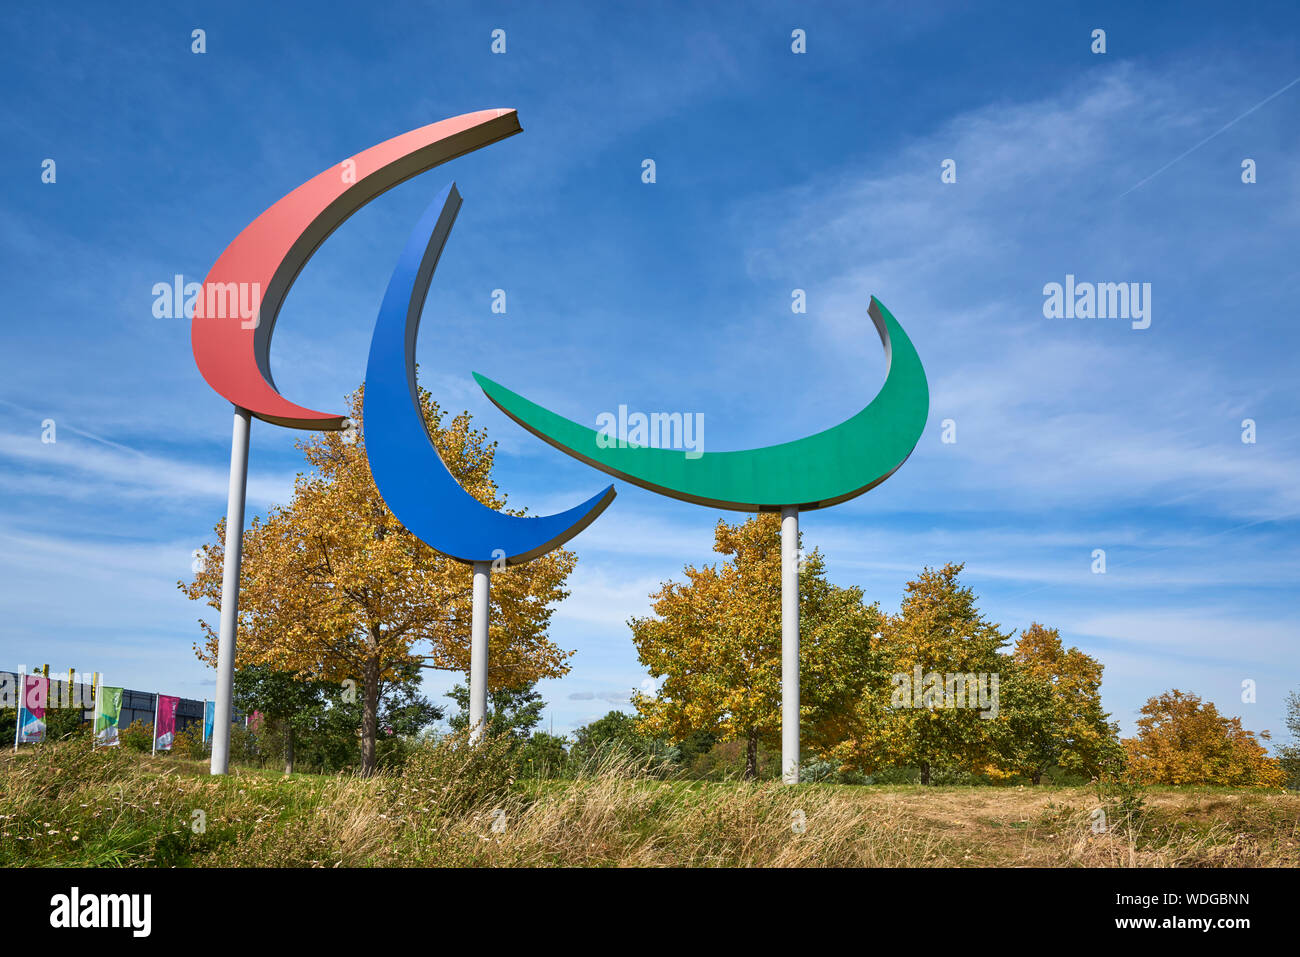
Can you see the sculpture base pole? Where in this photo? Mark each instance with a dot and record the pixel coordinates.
(230, 591)
(790, 644)
(478, 653)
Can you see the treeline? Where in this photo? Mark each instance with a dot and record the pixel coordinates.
(935, 691)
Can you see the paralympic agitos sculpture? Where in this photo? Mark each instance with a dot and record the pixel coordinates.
(233, 356)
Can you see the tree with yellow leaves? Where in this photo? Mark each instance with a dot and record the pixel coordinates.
(715, 641)
(1182, 740)
(1051, 710)
(334, 588)
(935, 692)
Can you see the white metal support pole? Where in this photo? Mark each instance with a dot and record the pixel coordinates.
(478, 652)
(230, 591)
(157, 701)
(790, 644)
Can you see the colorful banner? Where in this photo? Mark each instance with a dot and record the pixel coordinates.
(209, 718)
(31, 709)
(108, 709)
(254, 721)
(164, 728)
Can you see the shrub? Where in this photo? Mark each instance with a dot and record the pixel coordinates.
(726, 760)
(542, 756)
(137, 736)
(452, 776)
(65, 724)
(819, 770)
(190, 744)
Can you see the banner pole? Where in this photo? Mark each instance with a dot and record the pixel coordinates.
(230, 591)
(18, 712)
(157, 700)
(94, 708)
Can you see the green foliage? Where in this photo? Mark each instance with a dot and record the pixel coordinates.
(66, 723)
(1288, 756)
(513, 712)
(728, 760)
(715, 640)
(542, 756)
(1051, 712)
(278, 694)
(1122, 802)
(939, 630)
(617, 731)
(136, 736)
(695, 744)
(189, 743)
(321, 725)
(451, 776)
(59, 723)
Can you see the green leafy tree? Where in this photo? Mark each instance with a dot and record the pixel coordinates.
(287, 701)
(715, 640)
(616, 731)
(1051, 711)
(543, 755)
(1289, 754)
(512, 712)
(325, 731)
(938, 632)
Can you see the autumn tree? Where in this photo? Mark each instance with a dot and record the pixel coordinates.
(335, 589)
(1182, 740)
(1051, 712)
(935, 684)
(1289, 754)
(715, 640)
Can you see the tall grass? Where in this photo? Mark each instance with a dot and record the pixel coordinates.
(457, 805)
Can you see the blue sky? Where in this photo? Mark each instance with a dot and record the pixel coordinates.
(775, 171)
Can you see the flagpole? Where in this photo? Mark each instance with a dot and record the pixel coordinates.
(18, 714)
(94, 709)
(157, 700)
(203, 723)
(478, 652)
(221, 719)
(790, 644)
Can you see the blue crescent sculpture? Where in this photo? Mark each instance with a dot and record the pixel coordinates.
(407, 469)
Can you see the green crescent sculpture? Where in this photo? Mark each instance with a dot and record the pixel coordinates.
(813, 472)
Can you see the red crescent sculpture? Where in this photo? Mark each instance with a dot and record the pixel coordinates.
(241, 297)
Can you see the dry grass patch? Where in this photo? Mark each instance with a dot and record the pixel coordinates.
(458, 806)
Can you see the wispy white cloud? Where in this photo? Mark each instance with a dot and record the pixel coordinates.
(74, 467)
